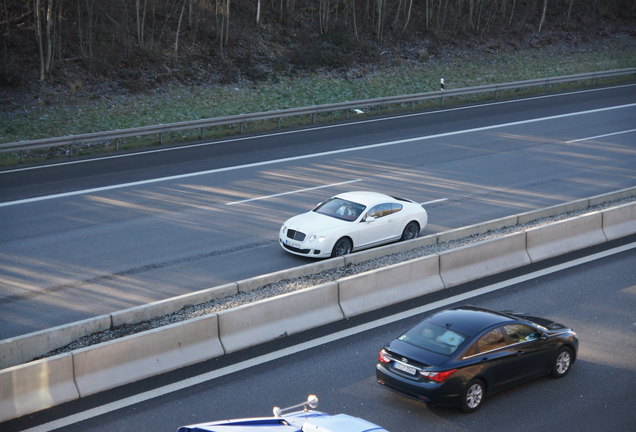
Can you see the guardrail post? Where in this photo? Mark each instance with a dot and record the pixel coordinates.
(242, 127)
(160, 139)
(313, 118)
(70, 149)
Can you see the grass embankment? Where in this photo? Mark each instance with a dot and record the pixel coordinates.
(83, 113)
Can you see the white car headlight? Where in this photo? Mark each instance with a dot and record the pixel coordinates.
(312, 238)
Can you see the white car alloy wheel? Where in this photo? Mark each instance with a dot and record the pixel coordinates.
(411, 231)
(342, 247)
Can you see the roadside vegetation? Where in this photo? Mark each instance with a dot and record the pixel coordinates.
(162, 63)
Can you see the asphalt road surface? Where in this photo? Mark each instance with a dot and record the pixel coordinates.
(597, 298)
(91, 237)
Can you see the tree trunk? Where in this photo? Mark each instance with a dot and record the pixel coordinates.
(37, 12)
(176, 38)
(545, 7)
(141, 21)
(355, 22)
(408, 16)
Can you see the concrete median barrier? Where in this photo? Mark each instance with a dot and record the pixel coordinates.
(483, 259)
(476, 229)
(554, 210)
(25, 348)
(619, 221)
(35, 386)
(164, 307)
(613, 196)
(132, 358)
(374, 289)
(266, 320)
(402, 246)
(291, 273)
(565, 236)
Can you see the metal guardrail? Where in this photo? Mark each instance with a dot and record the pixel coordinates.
(242, 119)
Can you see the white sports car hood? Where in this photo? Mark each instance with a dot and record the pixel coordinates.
(314, 223)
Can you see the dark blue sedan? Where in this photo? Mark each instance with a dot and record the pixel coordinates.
(458, 356)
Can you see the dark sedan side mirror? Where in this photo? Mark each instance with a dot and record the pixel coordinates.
(544, 336)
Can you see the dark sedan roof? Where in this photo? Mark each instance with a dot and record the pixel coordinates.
(469, 320)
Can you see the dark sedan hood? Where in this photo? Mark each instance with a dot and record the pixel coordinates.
(420, 355)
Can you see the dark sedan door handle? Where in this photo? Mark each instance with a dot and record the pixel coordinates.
(519, 353)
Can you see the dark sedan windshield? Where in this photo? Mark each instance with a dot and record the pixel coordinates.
(340, 209)
(431, 337)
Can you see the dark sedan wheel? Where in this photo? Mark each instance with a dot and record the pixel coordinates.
(562, 363)
(342, 247)
(473, 396)
(411, 231)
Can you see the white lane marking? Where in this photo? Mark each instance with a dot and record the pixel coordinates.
(434, 201)
(292, 192)
(601, 136)
(315, 128)
(227, 370)
(310, 156)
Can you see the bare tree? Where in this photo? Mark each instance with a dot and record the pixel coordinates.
(355, 21)
(141, 20)
(323, 16)
(176, 38)
(545, 7)
(47, 18)
(222, 13)
(379, 16)
(404, 7)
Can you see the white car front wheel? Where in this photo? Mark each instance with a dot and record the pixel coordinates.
(411, 231)
(342, 247)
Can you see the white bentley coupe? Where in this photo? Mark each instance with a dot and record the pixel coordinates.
(350, 222)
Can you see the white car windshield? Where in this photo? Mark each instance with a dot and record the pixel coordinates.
(340, 209)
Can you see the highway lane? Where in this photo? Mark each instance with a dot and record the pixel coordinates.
(92, 252)
(597, 299)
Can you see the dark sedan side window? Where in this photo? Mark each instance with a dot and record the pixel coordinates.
(520, 333)
(492, 340)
